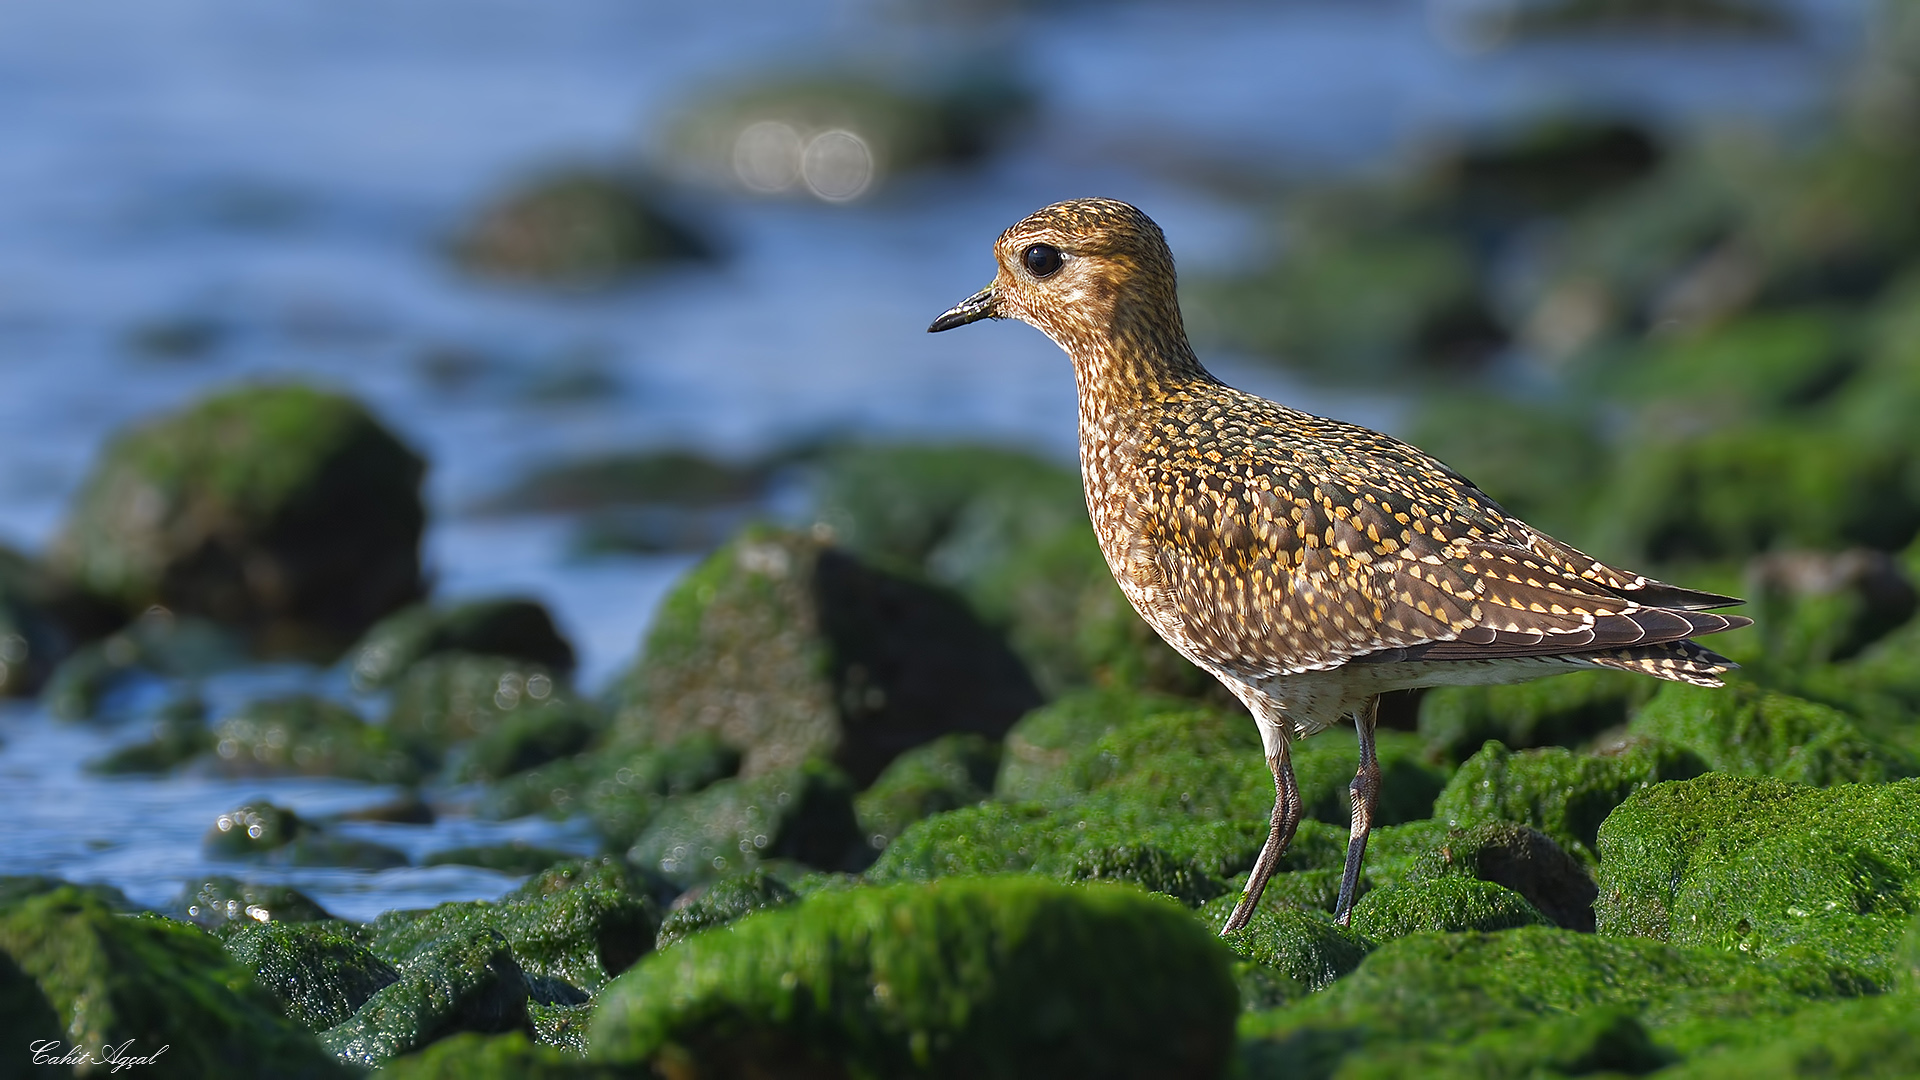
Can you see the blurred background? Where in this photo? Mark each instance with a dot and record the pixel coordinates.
(618, 273)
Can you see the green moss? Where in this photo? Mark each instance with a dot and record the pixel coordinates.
(1308, 947)
(1760, 866)
(1046, 739)
(1447, 903)
(629, 789)
(1756, 732)
(583, 922)
(804, 814)
(509, 627)
(1607, 1042)
(452, 697)
(723, 902)
(1422, 993)
(1517, 857)
(1005, 977)
(159, 983)
(510, 1056)
(317, 974)
(1566, 710)
(1862, 1037)
(526, 739)
(1187, 881)
(461, 982)
(219, 902)
(575, 227)
(277, 835)
(949, 772)
(515, 858)
(310, 736)
(1561, 793)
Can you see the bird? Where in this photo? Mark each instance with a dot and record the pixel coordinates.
(1309, 564)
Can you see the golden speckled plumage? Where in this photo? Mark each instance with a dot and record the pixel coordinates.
(1307, 563)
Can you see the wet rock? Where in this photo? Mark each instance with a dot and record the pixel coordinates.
(305, 735)
(1309, 948)
(949, 772)
(620, 788)
(283, 511)
(1565, 17)
(1816, 607)
(804, 813)
(146, 983)
(462, 982)
(1862, 1037)
(1750, 731)
(1525, 860)
(507, 627)
(1050, 980)
(17, 887)
(563, 1027)
(510, 1056)
(318, 975)
(1561, 793)
(723, 902)
(515, 858)
(36, 633)
(1531, 999)
(1448, 904)
(583, 921)
(1566, 710)
(156, 647)
(528, 738)
(453, 697)
(180, 735)
(1152, 869)
(578, 227)
(789, 648)
(678, 478)
(407, 809)
(261, 830)
(1759, 866)
(221, 903)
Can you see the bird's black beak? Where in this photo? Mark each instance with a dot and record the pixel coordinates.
(974, 308)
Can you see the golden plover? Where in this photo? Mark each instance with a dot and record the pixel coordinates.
(1310, 565)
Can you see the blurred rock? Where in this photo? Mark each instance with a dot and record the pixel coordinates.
(789, 648)
(304, 735)
(518, 857)
(949, 772)
(1565, 710)
(1749, 731)
(451, 698)
(723, 902)
(463, 982)
(1816, 607)
(283, 511)
(1556, 18)
(803, 813)
(576, 227)
(278, 836)
(222, 903)
(158, 646)
(508, 626)
(180, 735)
(665, 477)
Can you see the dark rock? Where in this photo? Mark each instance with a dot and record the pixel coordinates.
(219, 903)
(318, 975)
(146, 983)
(658, 478)
(619, 788)
(278, 836)
(515, 858)
(35, 634)
(281, 510)
(180, 735)
(949, 772)
(1527, 861)
(1741, 18)
(509, 627)
(462, 982)
(582, 226)
(804, 813)
(723, 902)
(305, 735)
(408, 809)
(789, 649)
(1007, 977)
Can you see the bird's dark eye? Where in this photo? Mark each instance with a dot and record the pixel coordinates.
(1042, 259)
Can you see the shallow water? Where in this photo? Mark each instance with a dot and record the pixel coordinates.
(286, 175)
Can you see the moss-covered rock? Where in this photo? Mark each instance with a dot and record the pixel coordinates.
(509, 1056)
(1007, 977)
(220, 903)
(1817, 607)
(1750, 731)
(511, 627)
(722, 902)
(283, 510)
(1186, 880)
(517, 857)
(949, 772)
(305, 735)
(583, 921)
(460, 982)
(278, 835)
(789, 649)
(528, 738)
(1448, 903)
(180, 735)
(579, 226)
(316, 973)
(1861, 1037)
(804, 813)
(1566, 710)
(1761, 866)
(1561, 793)
(109, 979)
(1520, 858)
(452, 697)
(1308, 947)
(1046, 739)
(156, 646)
(39, 624)
(1425, 993)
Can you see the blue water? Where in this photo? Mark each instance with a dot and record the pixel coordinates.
(286, 174)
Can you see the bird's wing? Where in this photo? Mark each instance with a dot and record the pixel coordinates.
(1274, 565)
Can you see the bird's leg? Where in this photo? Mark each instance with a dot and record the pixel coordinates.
(1365, 792)
(1286, 817)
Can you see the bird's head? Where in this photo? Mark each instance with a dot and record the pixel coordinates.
(1088, 273)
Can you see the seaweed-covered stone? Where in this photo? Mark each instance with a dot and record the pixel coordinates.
(988, 977)
(583, 921)
(579, 226)
(722, 902)
(1150, 868)
(528, 738)
(316, 973)
(629, 789)
(509, 1056)
(792, 649)
(180, 735)
(1561, 793)
(510, 627)
(517, 857)
(1861, 1037)
(1523, 859)
(219, 902)
(451, 697)
(1308, 947)
(306, 735)
(1046, 739)
(17, 887)
(278, 835)
(37, 627)
(1600, 1041)
(461, 982)
(1422, 993)
(156, 646)
(1761, 866)
(1751, 731)
(159, 983)
(1448, 903)
(949, 772)
(804, 813)
(282, 510)
(1566, 710)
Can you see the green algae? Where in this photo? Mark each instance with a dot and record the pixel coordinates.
(1861, 1038)
(1561, 793)
(451, 697)
(949, 772)
(508, 1056)
(513, 858)
(506, 626)
(1566, 710)
(1307, 947)
(1152, 869)
(528, 738)
(317, 974)
(1447, 903)
(457, 982)
(1005, 977)
(723, 902)
(110, 979)
(578, 227)
(219, 902)
(1046, 739)
(803, 813)
(1751, 731)
(1760, 866)
(261, 830)
(306, 735)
